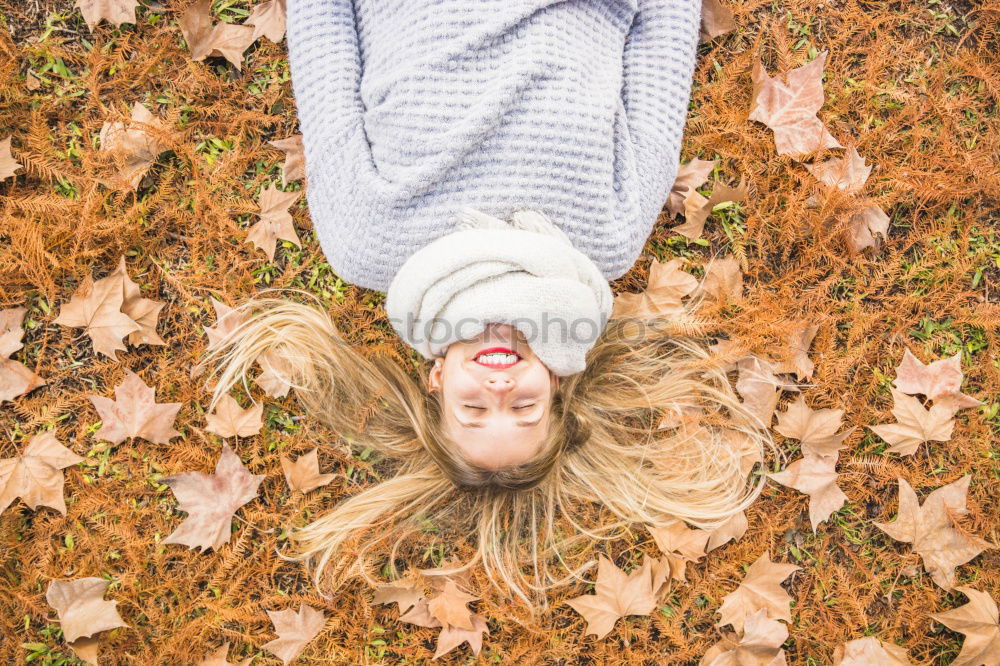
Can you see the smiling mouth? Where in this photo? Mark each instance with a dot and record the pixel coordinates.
(497, 358)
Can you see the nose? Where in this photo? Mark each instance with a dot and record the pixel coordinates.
(499, 384)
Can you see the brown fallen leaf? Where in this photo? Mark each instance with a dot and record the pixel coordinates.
(222, 39)
(731, 530)
(865, 227)
(294, 631)
(220, 657)
(666, 286)
(227, 320)
(697, 208)
(761, 588)
(850, 173)
(87, 650)
(274, 378)
(451, 637)
(616, 594)
(231, 420)
(8, 165)
(114, 12)
(96, 307)
(689, 177)
(136, 142)
(303, 475)
(294, 167)
(405, 593)
(789, 109)
(716, 20)
(723, 280)
(816, 428)
(979, 620)
(869, 651)
(268, 19)
(15, 378)
(931, 529)
(940, 381)
(915, 425)
(36, 475)
(679, 544)
(82, 609)
(798, 362)
(450, 606)
(143, 311)
(759, 388)
(759, 644)
(211, 500)
(420, 615)
(275, 221)
(135, 413)
(815, 476)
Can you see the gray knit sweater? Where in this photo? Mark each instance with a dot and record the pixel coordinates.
(410, 109)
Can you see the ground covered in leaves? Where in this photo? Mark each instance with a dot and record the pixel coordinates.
(195, 200)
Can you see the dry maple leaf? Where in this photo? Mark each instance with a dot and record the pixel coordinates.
(294, 631)
(82, 609)
(690, 176)
(420, 615)
(87, 649)
(789, 109)
(451, 637)
(731, 530)
(979, 620)
(723, 280)
(143, 311)
(275, 221)
(761, 588)
(274, 378)
(211, 500)
(96, 307)
(869, 651)
(405, 593)
(231, 420)
(816, 428)
(220, 657)
(799, 363)
(848, 173)
(666, 286)
(134, 139)
(759, 388)
(294, 167)
(114, 12)
(914, 425)
(716, 20)
(616, 594)
(760, 644)
(222, 39)
(450, 606)
(8, 165)
(815, 476)
(865, 226)
(268, 19)
(227, 320)
(15, 378)
(135, 413)
(697, 208)
(940, 381)
(303, 475)
(931, 529)
(36, 475)
(679, 544)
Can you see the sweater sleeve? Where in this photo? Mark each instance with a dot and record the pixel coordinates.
(658, 67)
(325, 60)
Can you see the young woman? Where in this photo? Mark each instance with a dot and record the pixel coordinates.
(491, 164)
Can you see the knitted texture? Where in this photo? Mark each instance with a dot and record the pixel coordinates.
(410, 110)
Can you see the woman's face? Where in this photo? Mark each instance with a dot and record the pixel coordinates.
(496, 396)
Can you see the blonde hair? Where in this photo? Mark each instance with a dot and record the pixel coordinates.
(604, 448)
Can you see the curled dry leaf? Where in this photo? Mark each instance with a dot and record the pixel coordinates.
(114, 12)
(850, 173)
(979, 620)
(690, 176)
(452, 637)
(222, 39)
(868, 651)
(303, 475)
(815, 476)
(697, 208)
(816, 428)
(82, 609)
(268, 19)
(294, 167)
(759, 388)
(679, 544)
(275, 221)
(140, 146)
(420, 615)
(940, 381)
(915, 425)
(761, 588)
(716, 20)
(87, 650)
(405, 593)
(220, 657)
(143, 311)
(731, 530)
(231, 420)
(294, 631)
(36, 475)
(135, 413)
(210, 501)
(8, 165)
(759, 644)
(666, 286)
(15, 378)
(931, 529)
(616, 594)
(798, 362)
(789, 109)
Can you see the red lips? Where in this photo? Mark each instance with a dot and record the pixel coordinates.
(496, 350)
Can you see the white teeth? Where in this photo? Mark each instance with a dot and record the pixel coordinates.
(497, 359)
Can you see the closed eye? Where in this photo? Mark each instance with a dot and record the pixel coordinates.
(525, 406)
(473, 407)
